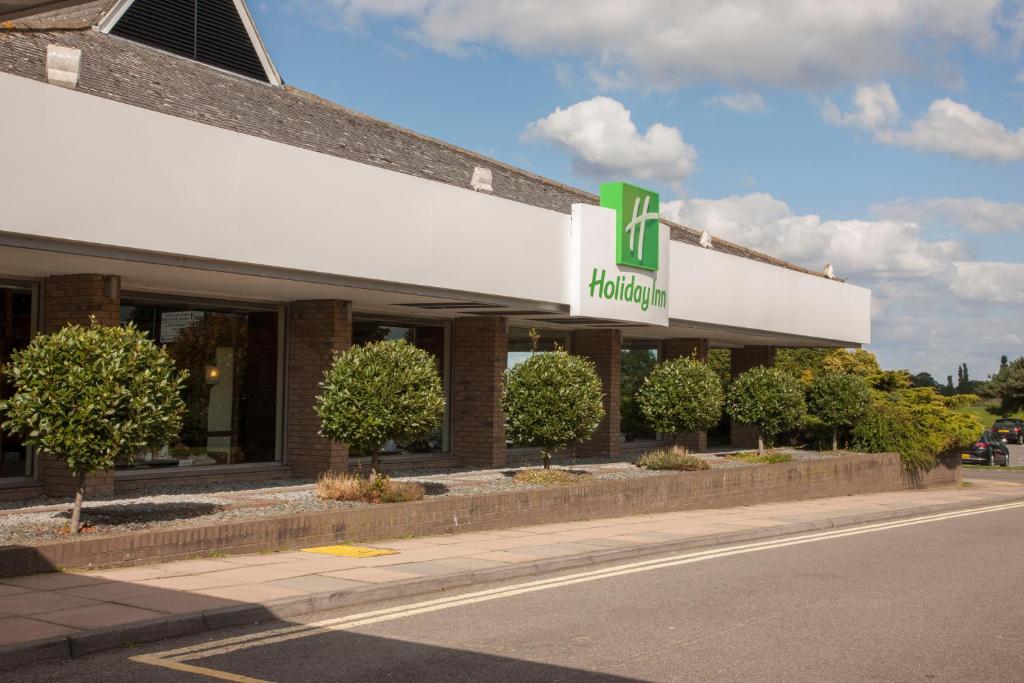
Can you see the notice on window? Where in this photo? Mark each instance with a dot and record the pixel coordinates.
(173, 323)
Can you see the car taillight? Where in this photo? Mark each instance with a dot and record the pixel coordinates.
(981, 445)
(1016, 429)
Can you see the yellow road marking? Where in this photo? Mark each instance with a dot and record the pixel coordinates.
(350, 551)
(192, 669)
(229, 645)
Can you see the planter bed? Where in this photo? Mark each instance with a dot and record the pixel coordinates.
(623, 491)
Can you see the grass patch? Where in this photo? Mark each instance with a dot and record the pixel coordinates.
(672, 459)
(762, 458)
(549, 477)
(986, 411)
(377, 488)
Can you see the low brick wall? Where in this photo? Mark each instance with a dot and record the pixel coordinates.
(717, 488)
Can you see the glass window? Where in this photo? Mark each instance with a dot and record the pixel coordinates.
(520, 346)
(430, 338)
(231, 393)
(638, 359)
(15, 333)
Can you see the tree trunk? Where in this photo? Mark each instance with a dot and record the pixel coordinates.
(835, 438)
(546, 456)
(760, 443)
(76, 511)
(375, 460)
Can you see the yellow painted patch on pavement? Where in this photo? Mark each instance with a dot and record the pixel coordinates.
(350, 551)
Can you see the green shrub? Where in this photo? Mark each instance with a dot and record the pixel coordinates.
(762, 458)
(379, 392)
(838, 400)
(672, 459)
(768, 399)
(552, 400)
(681, 395)
(548, 477)
(377, 488)
(917, 424)
(961, 400)
(91, 395)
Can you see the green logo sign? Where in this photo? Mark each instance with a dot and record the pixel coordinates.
(636, 224)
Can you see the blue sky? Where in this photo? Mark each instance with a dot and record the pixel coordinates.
(885, 138)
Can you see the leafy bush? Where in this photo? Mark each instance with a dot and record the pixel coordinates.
(379, 392)
(377, 488)
(1008, 386)
(637, 364)
(917, 424)
(838, 400)
(672, 459)
(768, 399)
(552, 400)
(91, 395)
(681, 395)
(762, 458)
(961, 400)
(548, 477)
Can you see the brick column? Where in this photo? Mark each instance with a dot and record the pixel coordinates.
(73, 299)
(604, 348)
(745, 436)
(479, 357)
(316, 330)
(689, 348)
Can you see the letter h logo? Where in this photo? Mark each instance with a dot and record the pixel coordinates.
(637, 224)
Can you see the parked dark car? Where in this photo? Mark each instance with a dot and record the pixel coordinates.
(988, 450)
(1009, 428)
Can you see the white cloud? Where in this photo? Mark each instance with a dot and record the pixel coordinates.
(667, 43)
(874, 107)
(925, 294)
(603, 141)
(740, 101)
(882, 248)
(995, 282)
(974, 213)
(947, 126)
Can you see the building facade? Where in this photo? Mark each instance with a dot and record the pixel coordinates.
(156, 170)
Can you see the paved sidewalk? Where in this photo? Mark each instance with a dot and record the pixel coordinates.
(70, 614)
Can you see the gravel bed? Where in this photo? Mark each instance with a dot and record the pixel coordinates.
(167, 507)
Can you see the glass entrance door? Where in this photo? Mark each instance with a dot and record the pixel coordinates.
(15, 333)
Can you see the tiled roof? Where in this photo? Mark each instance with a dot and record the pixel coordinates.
(120, 70)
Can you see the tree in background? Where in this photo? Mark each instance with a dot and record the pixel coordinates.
(856, 362)
(838, 400)
(925, 379)
(1003, 362)
(949, 389)
(551, 400)
(802, 364)
(682, 395)
(1008, 386)
(891, 380)
(768, 399)
(91, 395)
(379, 392)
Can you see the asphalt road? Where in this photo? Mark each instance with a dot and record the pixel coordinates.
(932, 601)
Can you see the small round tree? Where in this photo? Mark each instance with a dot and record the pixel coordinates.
(838, 400)
(552, 400)
(681, 395)
(768, 399)
(379, 392)
(91, 395)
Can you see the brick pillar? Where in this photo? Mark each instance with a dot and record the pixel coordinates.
(73, 299)
(604, 348)
(686, 348)
(316, 330)
(689, 348)
(745, 436)
(479, 357)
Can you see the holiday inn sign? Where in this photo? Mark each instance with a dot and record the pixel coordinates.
(619, 254)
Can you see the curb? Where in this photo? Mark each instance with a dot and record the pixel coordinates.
(174, 626)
